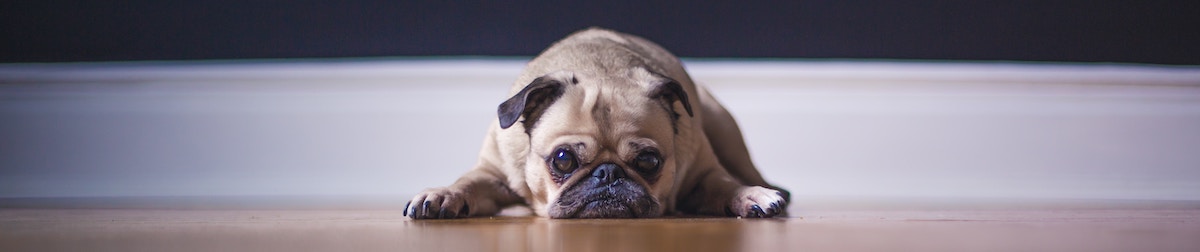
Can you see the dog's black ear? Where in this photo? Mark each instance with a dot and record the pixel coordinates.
(530, 102)
(669, 92)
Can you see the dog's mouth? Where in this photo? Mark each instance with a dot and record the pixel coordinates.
(605, 202)
(605, 209)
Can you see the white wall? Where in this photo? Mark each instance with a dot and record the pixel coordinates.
(393, 127)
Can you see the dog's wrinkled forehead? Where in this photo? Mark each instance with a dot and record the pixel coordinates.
(612, 98)
(621, 84)
(623, 77)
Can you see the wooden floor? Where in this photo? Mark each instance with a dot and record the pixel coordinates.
(1137, 227)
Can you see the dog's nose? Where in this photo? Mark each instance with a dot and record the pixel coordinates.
(608, 173)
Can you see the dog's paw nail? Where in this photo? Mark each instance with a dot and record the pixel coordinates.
(756, 211)
(406, 205)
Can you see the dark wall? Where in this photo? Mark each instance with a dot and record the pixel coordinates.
(1153, 31)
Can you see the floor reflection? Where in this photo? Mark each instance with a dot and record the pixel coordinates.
(1159, 228)
(540, 234)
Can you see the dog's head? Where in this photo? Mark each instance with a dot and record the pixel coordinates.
(601, 140)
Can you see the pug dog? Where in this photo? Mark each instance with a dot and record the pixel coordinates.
(608, 125)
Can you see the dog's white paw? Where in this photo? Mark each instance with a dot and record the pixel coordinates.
(437, 203)
(758, 202)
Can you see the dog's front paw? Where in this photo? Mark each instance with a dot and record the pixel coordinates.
(758, 202)
(437, 203)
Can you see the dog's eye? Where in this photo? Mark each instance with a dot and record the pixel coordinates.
(647, 162)
(563, 161)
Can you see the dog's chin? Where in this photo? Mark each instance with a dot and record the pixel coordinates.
(605, 209)
(627, 202)
(608, 209)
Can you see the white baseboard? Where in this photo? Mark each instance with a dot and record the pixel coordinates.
(902, 129)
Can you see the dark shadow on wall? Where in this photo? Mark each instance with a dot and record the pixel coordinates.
(1153, 31)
